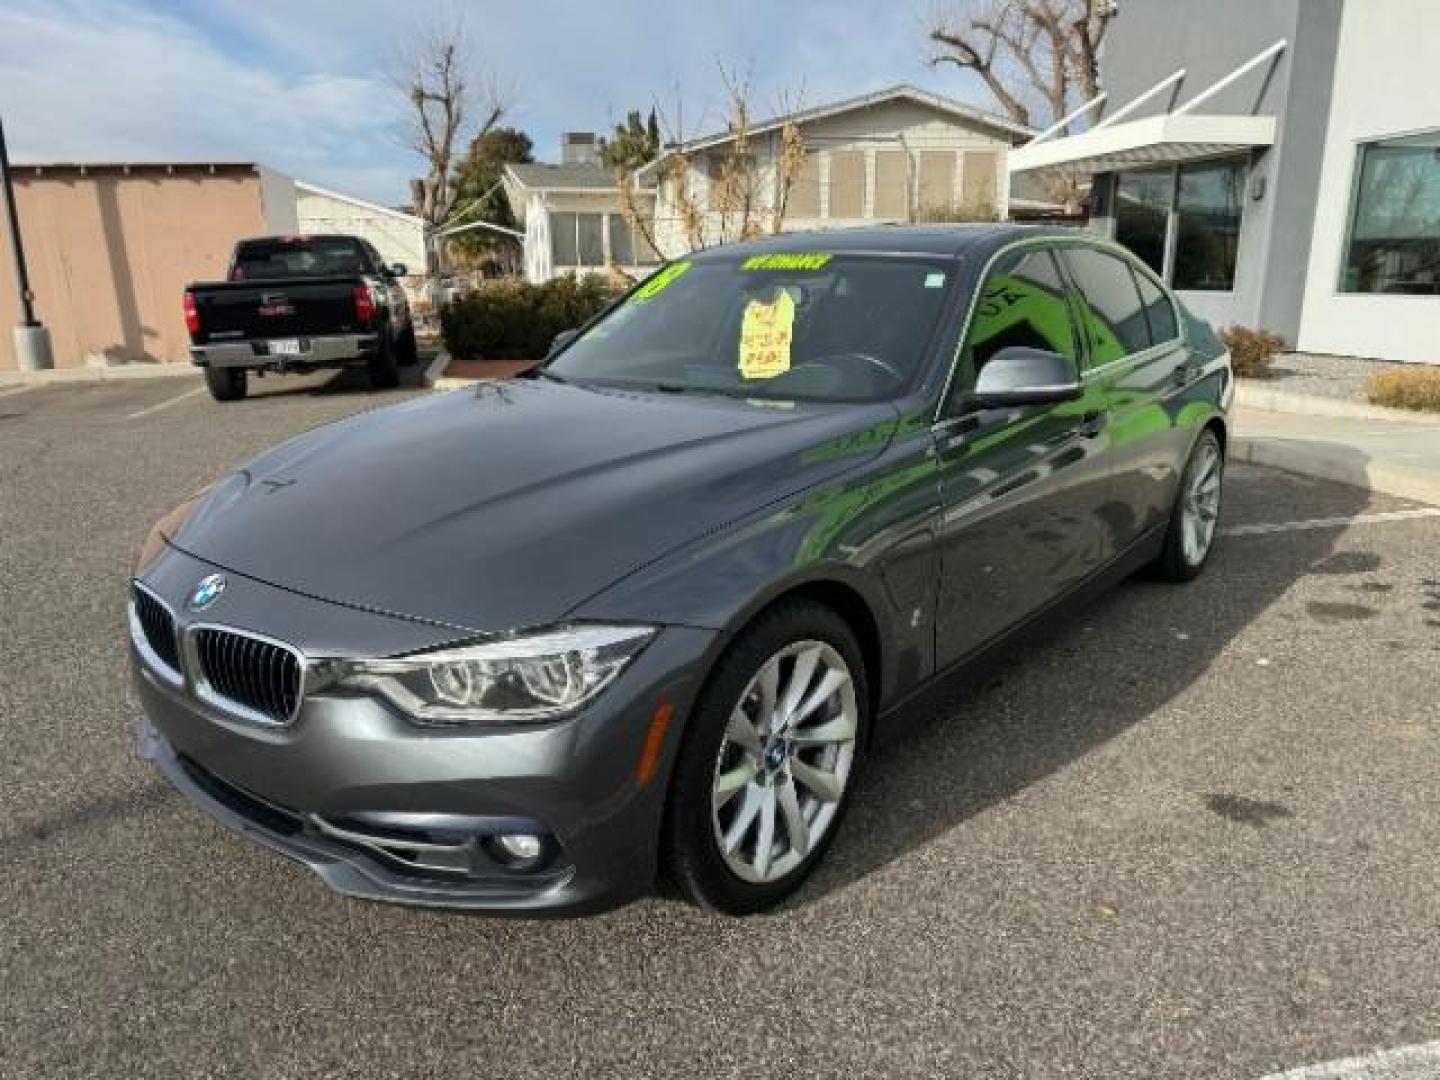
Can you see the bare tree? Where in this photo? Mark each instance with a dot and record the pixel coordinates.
(745, 199)
(1038, 58)
(448, 105)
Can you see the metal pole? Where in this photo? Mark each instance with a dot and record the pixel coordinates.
(22, 274)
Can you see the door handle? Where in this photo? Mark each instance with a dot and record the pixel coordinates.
(1092, 423)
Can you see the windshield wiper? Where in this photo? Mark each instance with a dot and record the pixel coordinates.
(686, 388)
(546, 373)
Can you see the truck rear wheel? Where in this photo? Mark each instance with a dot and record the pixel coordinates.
(226, 384)
(384, 375)
(408, 352)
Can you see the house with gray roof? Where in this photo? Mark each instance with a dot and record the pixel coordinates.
(896, 155)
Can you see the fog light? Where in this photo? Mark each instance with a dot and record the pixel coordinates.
(520, 848)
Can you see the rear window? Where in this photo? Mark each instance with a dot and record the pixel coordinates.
(306, 256)
(1114, 318)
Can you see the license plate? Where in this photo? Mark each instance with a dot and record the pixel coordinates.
(285, 347)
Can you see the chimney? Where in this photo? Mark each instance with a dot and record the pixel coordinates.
(579, 148)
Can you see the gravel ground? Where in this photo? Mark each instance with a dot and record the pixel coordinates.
(1340, 377)
(1191, 832)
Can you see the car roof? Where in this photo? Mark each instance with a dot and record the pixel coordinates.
(948, 240)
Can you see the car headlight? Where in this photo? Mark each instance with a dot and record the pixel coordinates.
(532, 677)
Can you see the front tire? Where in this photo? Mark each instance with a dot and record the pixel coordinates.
(227, 384)
(1191, 534)
(768, 760)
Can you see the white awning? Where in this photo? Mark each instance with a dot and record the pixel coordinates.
(1156, 140)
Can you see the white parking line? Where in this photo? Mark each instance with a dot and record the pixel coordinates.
(1332, 522)
(1421, 1062)
(165, 404)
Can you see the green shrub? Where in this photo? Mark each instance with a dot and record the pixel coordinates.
(514, 320)
(1251, 351)
(1410, 388)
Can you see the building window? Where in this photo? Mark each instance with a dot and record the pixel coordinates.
(892, 184)
(804, 198)
(1208, 199)
(591, 239)
(577, 239)
(977, 182)
(847, 184)
(1142, 211)
(937, 182)
(1394, 244)
(562, 238)
(1184, 223)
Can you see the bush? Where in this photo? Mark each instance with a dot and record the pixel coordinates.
(1410, 388)
(514, 320)
(1251, 351)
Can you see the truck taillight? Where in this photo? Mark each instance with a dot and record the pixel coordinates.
(364, 305)
(192, 315)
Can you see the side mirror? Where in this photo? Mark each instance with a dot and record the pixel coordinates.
(563, 338)
(399, 270)
(1018, 376)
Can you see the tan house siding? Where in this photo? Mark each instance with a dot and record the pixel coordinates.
(883, 161)
(110, 252)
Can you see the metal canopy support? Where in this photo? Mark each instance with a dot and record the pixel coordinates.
(32, 340)
(1060, 125)
(1239, 73)
(1128, 108)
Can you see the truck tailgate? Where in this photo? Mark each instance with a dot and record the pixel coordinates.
(287, 308)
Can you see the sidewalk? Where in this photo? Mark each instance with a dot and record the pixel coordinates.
(1398, 457)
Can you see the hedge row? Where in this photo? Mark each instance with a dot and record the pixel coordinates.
(514, 320)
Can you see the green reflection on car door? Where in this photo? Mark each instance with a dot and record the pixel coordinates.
(1023, 489)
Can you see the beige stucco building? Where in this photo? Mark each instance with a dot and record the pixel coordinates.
(111, 247)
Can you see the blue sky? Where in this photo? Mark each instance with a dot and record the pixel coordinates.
(302, 85)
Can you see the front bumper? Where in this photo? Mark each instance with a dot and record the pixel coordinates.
(334, 350)
(314, 790)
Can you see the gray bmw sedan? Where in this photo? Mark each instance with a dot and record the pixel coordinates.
(530, 646)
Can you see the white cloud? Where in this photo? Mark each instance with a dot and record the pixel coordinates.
(303, 86)
(87, 81)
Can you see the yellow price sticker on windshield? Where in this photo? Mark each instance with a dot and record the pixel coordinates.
(765, 335)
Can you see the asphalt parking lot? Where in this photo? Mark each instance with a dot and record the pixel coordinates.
(1191, 833)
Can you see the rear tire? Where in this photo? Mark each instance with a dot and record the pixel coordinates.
(384, 375)
(1191, 534)
(227, 384)
(407, 352)
(754, 774)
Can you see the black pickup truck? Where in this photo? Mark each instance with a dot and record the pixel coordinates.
(298, 303)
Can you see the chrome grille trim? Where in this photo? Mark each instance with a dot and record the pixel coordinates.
(256, 678)
(154, 632)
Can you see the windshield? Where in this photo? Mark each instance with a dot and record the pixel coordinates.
(793, 326)
(301, 256)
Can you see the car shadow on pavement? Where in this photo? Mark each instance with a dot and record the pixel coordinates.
(1075, 681)
(342, 383)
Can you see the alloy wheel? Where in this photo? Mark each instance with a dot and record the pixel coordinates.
(1202, 504)
(784, 761)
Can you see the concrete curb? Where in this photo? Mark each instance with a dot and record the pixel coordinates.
(432, 376)
(30, 380)
(1329, 461)
(1251, 395)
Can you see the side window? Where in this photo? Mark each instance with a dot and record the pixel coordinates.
(1159, 311)
(1022, 303)
(1113, 318)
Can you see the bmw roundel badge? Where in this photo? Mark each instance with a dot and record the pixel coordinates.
(207, 590)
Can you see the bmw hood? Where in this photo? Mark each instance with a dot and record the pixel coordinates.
(508, 505)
